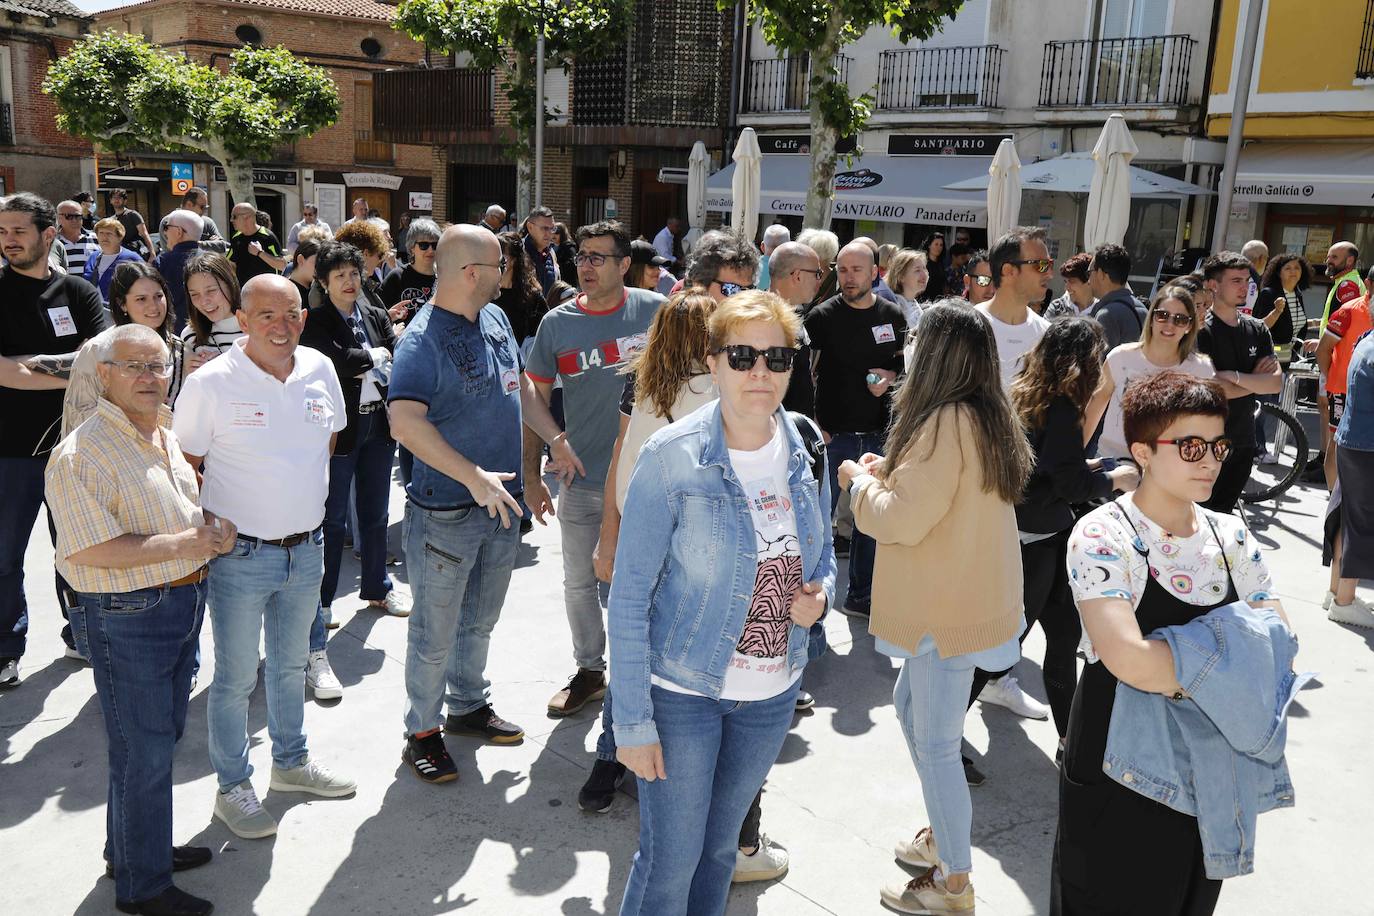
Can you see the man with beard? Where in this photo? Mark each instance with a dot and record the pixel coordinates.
(856, 343)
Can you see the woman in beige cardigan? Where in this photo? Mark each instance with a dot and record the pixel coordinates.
(947, 579)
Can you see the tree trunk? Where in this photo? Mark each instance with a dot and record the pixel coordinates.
(524, 164)
(820, 196)
(238, 175)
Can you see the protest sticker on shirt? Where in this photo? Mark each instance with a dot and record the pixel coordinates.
(631, 345)
(883, 333)
(315, 413)
(510, 380)
(247, 415)
(62, 322)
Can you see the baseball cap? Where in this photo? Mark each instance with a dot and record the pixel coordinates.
(641, 252)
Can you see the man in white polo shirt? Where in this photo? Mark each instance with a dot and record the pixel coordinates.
(262, 419)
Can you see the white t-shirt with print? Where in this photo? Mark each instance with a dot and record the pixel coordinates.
(758, 669)
(1127, 363)
(1105, 560)
(1014, 341)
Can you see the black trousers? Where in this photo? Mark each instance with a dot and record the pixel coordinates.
(1235, 473)
(1048, 599)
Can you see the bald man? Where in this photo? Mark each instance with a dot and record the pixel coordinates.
(458, 397)
(795, 275)
(856, 341)
(262, 420)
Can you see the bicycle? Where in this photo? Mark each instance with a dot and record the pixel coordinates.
(1270, 480)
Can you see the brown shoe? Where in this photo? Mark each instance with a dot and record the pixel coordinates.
(584, 686)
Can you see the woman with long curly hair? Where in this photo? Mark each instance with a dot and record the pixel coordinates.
(521, 297)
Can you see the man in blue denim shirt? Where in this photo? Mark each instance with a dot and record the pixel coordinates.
(456, 396)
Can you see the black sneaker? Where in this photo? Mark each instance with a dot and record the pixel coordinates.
(972, 775)
(183, 859)
(855, 609)
(526, 526)
(172, 902)
(598, 792)
(841, 546)
(429, 758)
(805, 700)
(484, 723)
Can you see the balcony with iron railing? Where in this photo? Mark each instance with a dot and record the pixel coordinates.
(922, 78)
(783, 84)
(1118, 73)
(427, 106)
(1364, 66)
(6, 124)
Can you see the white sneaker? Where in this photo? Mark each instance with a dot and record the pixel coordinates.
(314, 778)
(1327, 600)
(768, 863)
(243, 814)
(1356, 613)
(9, 673)
(1006, 691)
(320, 678)
(395, 603)
(74, 654)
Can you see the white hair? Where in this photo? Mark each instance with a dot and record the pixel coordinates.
(825, 243)
(420, 230)
(106, 342)
(774, 236)
(67, 203)
(1254, 250)
(495, 210)
(189, 220)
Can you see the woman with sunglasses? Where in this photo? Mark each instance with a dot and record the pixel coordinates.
(405, 290)
(1169, 341)
(947, 578)
(1150, 559)
(730, 564)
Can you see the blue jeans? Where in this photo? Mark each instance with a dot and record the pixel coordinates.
(716, 754)
(142, 647)
(931, 699)
(460, 564)
(862, 548)
(584, 596)
(258, 589)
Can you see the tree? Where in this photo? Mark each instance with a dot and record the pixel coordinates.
(819, 29)
(502, 35)
(115, 89)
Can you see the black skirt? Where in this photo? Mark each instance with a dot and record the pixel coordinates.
(1355, 470)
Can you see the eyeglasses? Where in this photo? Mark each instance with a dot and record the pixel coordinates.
(1040, 265)
(742, 358)
(1192, 448)
(71, 216)
(729, 289)
(426, 246)
(981, 280)
(817, 273)
(129, 368)
(594, 258)
(1163, 316)
(501, 266)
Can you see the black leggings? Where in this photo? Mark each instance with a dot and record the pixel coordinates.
(749, 830)
(1047, 598)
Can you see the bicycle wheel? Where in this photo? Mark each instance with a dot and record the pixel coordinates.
(1269, 480)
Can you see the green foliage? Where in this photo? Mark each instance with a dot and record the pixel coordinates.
(117, 89)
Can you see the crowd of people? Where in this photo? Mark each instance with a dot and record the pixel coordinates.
(211, 427)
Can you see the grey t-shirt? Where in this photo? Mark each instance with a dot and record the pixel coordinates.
(586, 350)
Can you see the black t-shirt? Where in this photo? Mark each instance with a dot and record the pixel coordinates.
(1237, 349)
(524, 313)
(131, 220)
(56, 315)
(407, 283)
(851, 341)
(248, 265)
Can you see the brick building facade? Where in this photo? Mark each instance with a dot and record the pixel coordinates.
(353, 40)
(34, 154)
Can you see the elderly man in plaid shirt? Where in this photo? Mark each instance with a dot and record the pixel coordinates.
(133, 542)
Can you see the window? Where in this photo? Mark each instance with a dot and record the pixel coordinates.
(371, 47)
(248, 34)
(1133, 18)
(366, 149)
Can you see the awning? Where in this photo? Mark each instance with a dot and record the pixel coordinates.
(1072, 173)
(893, 189)
(1340, 174)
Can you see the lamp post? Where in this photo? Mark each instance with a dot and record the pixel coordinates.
(539, 113)
(1240, 93)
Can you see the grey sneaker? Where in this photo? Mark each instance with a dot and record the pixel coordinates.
(312, 777)
(243, 814)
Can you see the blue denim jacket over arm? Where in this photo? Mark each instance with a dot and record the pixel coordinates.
(1217, 753)
(686, 563)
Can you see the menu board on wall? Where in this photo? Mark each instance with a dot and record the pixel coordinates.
(1319, 239)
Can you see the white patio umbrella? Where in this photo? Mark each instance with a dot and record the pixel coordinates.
(744, 215)
(1004, 190)
(697, 164)
(1108, 212)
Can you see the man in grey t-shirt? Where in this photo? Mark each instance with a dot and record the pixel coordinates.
(583, 342)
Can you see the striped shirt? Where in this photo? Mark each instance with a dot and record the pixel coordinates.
(78, 252)
(104, 481)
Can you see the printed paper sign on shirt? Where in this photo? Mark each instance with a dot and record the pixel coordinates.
(314, 411)
(630, 345)
(62, 322)
(247, 415)
(883, 333)
(510, 380)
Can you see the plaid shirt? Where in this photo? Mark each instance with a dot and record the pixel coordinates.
(105, 480)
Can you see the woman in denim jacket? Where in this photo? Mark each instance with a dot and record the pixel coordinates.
(1147, 560)
(725, 561)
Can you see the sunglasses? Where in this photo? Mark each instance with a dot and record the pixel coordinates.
(426, 246)
(71, 216)
(1163, 316)
(133, 369)
(1193, 448)
(742, 358)
(980, 280)
(1040, 265)
(729, 289)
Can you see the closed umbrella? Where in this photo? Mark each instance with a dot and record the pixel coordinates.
(697, 165)
(1109, 198)
(744, 215)
(1004, 190)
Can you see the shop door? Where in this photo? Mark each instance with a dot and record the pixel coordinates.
(378, 199)
(274, 205)
(658, 201)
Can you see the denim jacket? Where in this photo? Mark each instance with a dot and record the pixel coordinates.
(686, 563)
(1216, 753)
